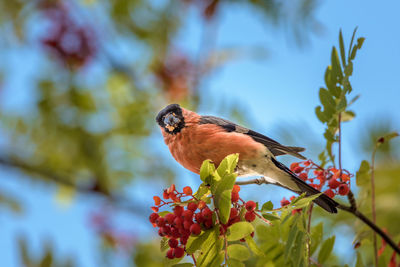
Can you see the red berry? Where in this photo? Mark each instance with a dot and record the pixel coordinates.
(175, 232)
(284, 202)
(343, 189)
(294, 165)
(252, 234)
(195, 229)
(250, 205)
(184, 239)
(187, 190)
(202, 204)
(292, 198)
(199, 218)
(165, 194)
(206, 213)
(303, 176)
(170, 254)
(298, 169)
(166, 230)
(155, 209)
(160, 232)
(234, 197)
(187, 224)
(170, 217)
(160, 221)
(153, 217)
(171, 189)
(178, 210)
(329, 193)
(250, 216)
(306, 163)
(208, 224)
(236, 188)
(234, 220)
(179, 252)
(157, 200)
(173, 243)
(333, 183)
(192, 206)
(178, 222)
(187, 214)
(233, 214)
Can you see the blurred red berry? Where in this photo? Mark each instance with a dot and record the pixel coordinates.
(298, 169)
(333, 183)
(294, 165)
(250, 216)
(184, 239)
(178, 222)
(179, 252)
(208, 223)
(187, 224)
(165, 194)
(306, 163)
(170, 254)
(175, 232)
(329, 193)
(202, 204)
(153, 217)
(198, 217)
(206, 213)
(284, 202)
(233, 214)
(160, 221)
(234, 197)
(303, 176)
(157, 200)
(187, 214)
(178, 210)
(292, 198)
(155, 209)
(236, 188)
(195, 229)
(171, 189)
(187, 190)
(166, 230)
(173, 243)
(250, 205)
(343, 189)
(170, 217)
(192, 206)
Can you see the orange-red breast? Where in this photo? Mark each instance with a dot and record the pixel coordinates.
(192, 138)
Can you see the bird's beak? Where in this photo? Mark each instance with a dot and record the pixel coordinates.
(170, 122)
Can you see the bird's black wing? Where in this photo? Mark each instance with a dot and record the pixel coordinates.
(276, 148)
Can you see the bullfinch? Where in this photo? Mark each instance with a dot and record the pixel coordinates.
(192, 138)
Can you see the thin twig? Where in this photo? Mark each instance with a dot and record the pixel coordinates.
(258, 181)
(373, 204)
(194, 260)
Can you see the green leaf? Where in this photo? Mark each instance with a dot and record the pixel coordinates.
(362, 175)
(321, 115)
(270, 217)
(253, 246)
(291, 238)
(222, 196)
(359, 262)
(341, 45)
(195, 242)
(206, 169)
(348, 71)
(186, 264)
(304, 202)
(239, 230)
(228, 164)
(239, 252)
(235, 263)
(351, 43)
(267, 206)
(348, 115)
(316, 237)
(341, 106)
(212, 253)
(326, 250)
(164, 244)
(386, 138)
(326, 98)
(336, 67)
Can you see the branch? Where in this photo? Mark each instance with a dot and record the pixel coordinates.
(372, 225)
(50, 176)
(349, 209)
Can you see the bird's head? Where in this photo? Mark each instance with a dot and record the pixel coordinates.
(171, 119)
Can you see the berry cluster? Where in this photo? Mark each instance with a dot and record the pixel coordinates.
(338, 180)
(191, 216)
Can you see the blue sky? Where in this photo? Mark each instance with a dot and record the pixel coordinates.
(282, 89)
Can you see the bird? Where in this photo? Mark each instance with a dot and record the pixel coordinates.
(192, 138)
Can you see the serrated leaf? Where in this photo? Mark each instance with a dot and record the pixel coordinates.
(239, 230)
(362, 175)
(267, 206)
(235, 263)
(206, 169)
(341, 45)
(164, 244)
(195, 242)
(228, 164)
(239, 252)
(326, 250)
(270, 217)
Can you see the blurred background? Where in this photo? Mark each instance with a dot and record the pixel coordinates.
(81, 82)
